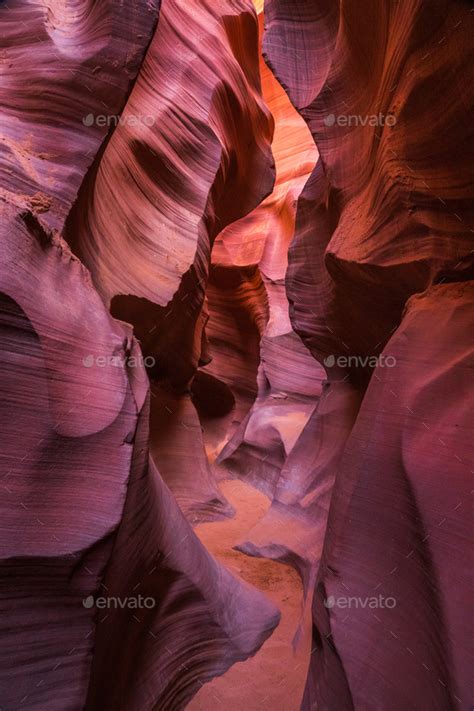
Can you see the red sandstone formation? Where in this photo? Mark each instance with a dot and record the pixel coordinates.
(385, 215)
(85, 510)
(203, 161)
(87, 513)
(399, 524)
(217, 265)
(63, 64)
(262, 450)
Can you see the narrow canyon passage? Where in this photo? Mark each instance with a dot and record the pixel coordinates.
(275, 677)
(236, 355)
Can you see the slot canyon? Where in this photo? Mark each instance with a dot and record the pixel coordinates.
(236, 343)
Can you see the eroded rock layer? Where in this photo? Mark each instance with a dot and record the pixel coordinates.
(262, 448)
(399, 525)
(198, 158)
(385, 215)
(66, 71)
(85, 512)
(215, 266)
(88, 515)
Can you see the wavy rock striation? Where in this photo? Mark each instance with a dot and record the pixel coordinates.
(262, 448)
(88, 514)
(191, 155)
(60, 91)
(385, 215)
(291, 244)
(85, 511)
(399, 525)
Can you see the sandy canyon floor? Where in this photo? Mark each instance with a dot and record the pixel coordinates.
(274, 678)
